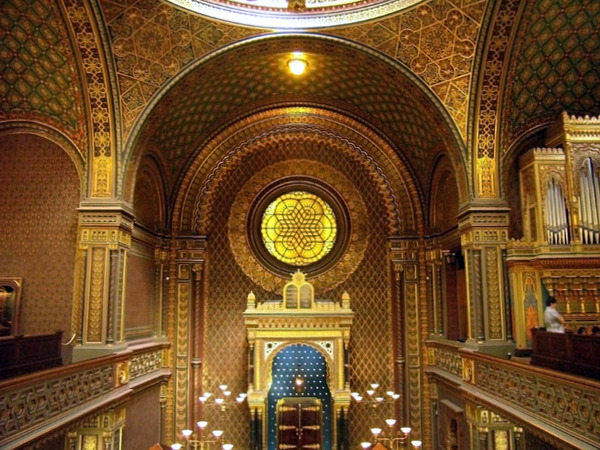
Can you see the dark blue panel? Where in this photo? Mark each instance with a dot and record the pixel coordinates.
(313, 367)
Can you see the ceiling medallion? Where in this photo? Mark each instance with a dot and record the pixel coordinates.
(295, 14)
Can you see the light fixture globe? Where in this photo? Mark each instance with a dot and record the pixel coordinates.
(297, 65)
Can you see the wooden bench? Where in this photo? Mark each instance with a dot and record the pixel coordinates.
(572, 353)
(20, 355)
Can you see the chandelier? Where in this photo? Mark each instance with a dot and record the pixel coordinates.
(202, 439)
(394, 438)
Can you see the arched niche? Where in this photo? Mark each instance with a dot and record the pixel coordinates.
(273, 325)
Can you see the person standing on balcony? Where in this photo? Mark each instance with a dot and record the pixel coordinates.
(552, 319)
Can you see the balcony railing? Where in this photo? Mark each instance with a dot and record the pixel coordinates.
(565, 404)
(35, 405)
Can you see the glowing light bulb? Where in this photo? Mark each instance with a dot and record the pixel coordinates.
(297, 66)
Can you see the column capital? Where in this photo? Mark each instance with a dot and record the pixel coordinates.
(483, 214)
(484, 225)
(404, 249)
(191, 249)
(105, 226)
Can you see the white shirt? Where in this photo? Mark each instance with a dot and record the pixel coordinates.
(552, 320)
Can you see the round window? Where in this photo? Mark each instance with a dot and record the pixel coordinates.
(298, 228)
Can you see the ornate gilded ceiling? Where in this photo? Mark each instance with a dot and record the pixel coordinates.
(152, 41)
(437, 41)
(295, 14)
(38, 80)
(254, 76)
(554, 66)
(53, 73)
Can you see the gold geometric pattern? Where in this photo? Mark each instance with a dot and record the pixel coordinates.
(437, 41)
(492, 73)
(384, 167)
(256, 75)
(299, 228)
(555, 66)
(152, 41)
(37, 81)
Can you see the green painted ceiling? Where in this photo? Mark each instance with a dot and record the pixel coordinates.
(37, 76)
(555, 65)
(255, 76)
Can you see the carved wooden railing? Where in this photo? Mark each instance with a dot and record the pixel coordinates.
(24, 354)
(568, 352)
(567, 406)
(34, 406)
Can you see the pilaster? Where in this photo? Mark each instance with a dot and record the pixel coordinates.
(484, 234)
(189, 330)
(435, 287)
(98, 313)
(407, 294)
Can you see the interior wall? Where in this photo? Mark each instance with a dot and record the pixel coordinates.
(452, 426)
(225, 358)
(140, 310)
(148, 200)
(39, 196)
(142, 416)
(444, 198)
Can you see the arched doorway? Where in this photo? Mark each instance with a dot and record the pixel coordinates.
(298, 353)
(299, 372)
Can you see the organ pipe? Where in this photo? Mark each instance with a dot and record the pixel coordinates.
(557, 223)
(589, 204)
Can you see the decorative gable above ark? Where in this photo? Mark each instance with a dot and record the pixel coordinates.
(299, 310)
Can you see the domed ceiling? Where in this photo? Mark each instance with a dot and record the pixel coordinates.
(295, 14)
(254, 76)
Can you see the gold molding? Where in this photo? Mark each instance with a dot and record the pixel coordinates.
(263, 130)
